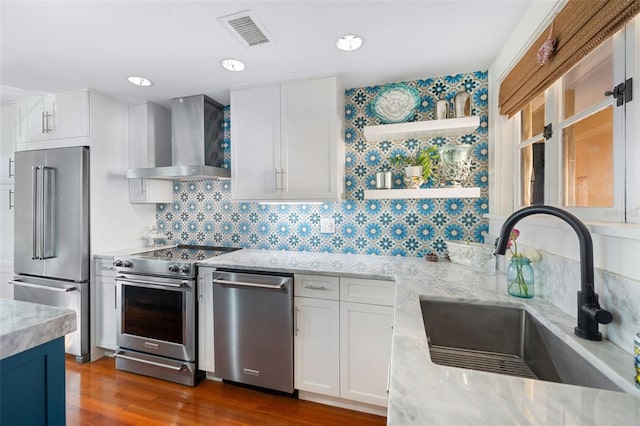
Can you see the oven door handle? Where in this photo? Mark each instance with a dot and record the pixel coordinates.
(144, 361)
(246, 284)
(42, 287)
(128, 280)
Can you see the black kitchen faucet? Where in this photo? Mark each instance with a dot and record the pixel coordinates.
(590, 314)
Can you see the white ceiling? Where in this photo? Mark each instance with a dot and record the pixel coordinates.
(53, 46)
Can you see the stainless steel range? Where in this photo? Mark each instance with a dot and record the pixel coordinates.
(156, 330)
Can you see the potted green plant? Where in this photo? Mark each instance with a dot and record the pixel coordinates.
(418, 167)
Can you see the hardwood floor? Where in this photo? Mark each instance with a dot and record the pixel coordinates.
(98, 394)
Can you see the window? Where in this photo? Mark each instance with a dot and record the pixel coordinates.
(580, 164)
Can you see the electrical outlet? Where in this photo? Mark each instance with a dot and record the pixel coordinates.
(327, 225)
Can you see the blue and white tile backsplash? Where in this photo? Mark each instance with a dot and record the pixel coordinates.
(203, 212)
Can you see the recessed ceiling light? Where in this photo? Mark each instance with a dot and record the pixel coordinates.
(349, 42)
(232, 65)
(139, 81)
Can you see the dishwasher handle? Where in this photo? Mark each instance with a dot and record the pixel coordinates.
(246, 284)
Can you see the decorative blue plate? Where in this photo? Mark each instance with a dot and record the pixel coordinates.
(396, 103)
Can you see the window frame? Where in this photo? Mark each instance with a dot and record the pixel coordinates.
(554, 189)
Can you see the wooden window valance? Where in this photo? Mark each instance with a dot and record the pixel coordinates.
(578, 29)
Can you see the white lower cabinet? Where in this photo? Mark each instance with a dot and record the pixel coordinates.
(206, 360)
(106, 304)
(317, 348)
(365, 351)
(343, 337)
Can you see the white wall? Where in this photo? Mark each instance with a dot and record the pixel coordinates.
(616, 246)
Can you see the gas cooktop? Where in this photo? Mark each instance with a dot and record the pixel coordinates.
(186, 253)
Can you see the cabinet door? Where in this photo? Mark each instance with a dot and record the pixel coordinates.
(255, 151)
(7, 144)
(365, 352)
(69, 115)
(149, 146)
(317, 350)
(107, 312)
(31, 120)
(7, 202)
(206, 359)
(310, 139)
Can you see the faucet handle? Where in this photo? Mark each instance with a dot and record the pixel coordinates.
(601, 316)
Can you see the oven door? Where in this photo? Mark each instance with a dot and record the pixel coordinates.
(157, 315)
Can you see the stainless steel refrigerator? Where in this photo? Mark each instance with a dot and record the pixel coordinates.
(51, 257)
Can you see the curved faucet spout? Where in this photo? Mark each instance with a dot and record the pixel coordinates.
(589, 311)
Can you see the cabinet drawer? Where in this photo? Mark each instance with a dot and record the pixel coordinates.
(316, 286)
(360, 290)
(105, 268)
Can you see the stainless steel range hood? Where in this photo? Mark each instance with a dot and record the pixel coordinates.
(196, 142)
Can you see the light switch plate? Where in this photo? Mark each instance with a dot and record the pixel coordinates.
(327, 225)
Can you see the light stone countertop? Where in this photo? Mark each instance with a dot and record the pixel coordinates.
(422, 392)
(25, 325)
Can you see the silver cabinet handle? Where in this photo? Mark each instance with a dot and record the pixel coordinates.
(144, 361)
(388, 376)
(43, 128)
(245, 284)
(297, 320)
(115, 297)
(282, 172)
(316, 287)
(200, 289)
(11, 161)
(108, 268)
(277, 187)
(43, 287)
(11, 199)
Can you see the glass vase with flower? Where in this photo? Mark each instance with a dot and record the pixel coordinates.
(520, 275)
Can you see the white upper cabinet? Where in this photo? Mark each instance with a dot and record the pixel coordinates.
(286, 141)
(149, 146)
(7, 143)
(52, 117)
(255, 143)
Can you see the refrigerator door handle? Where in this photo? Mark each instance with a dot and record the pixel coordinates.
(49, 213)
(35, 212)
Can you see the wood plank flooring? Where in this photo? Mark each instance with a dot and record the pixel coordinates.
(98, 394)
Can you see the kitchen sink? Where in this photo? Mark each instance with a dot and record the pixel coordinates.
(505, 340)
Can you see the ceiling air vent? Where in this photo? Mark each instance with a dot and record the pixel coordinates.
(246, 28)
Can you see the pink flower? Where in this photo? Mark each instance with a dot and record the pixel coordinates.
(514, 234)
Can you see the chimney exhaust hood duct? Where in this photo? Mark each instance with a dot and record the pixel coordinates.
(196, 142)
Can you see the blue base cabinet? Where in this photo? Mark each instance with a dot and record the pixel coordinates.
(32, 386)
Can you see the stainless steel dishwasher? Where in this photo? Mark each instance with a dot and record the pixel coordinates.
(253, 328)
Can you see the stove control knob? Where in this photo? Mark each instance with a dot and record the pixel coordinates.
(174, 268)
(117, 263)
(127, 264)
(185, 269)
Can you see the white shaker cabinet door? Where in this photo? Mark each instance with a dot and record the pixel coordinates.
(317, 350)
(311, 139)
(7, 144)
(107, 314)
(365, 352)
(255, 149)
(206, 358)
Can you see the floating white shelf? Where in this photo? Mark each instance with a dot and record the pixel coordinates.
(393, 194)
(451, 127)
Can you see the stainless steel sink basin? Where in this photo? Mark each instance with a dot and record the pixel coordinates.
(505, 340)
